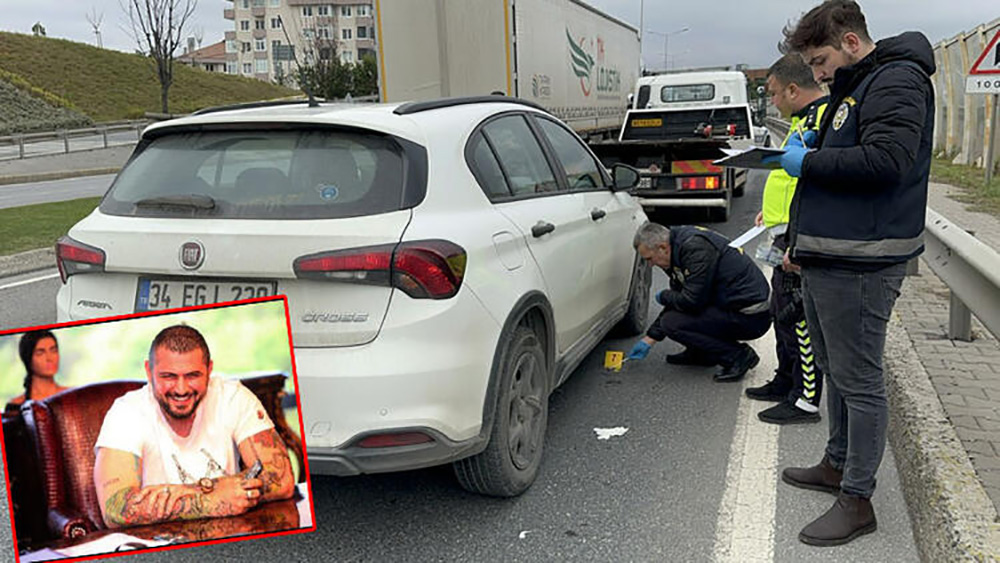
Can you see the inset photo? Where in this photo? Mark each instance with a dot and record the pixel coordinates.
(153, 431)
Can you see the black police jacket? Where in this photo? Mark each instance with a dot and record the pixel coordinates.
(862, 196)
(706, 272)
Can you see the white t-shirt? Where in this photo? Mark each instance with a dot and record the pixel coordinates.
(229, 414)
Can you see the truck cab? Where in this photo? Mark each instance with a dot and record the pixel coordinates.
(691, 90)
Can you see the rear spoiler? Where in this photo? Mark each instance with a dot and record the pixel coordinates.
(662, 124)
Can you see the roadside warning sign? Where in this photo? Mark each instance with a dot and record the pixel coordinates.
(984, 76)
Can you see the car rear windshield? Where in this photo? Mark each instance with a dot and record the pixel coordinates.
(688, 93)
(260, 174)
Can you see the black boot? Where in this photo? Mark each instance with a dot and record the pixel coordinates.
(787, 413)
(774, 390)
(738, 367)
(820, 477)
(848, 518)
(691, 357)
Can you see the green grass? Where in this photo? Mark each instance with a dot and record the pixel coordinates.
(109, 85)
(971, 181)
(38, 226)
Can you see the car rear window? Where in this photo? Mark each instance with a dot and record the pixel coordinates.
(280, 174)
(688, 93)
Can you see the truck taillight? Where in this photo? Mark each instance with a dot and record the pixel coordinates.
(74, 257)
(731, 129)
(699, 183)
(427, 269)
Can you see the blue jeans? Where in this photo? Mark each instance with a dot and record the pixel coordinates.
(847, 313)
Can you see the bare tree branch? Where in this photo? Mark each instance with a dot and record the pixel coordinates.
(158, 28)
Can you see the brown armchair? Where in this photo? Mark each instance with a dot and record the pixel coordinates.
(65, 428)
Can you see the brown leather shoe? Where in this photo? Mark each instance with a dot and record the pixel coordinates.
(848, 518)
(820, 477)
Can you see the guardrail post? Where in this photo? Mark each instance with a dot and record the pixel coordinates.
(65, 138)
(20, 146)
(104, 136)
(959, 320)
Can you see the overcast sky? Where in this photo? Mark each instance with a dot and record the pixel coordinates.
(720, 32)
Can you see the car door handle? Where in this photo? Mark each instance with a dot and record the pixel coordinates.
(542, 229)
(598, 214)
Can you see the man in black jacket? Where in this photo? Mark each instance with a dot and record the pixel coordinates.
(717, 298)
(857, 218)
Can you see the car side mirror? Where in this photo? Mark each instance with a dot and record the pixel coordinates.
(624, 177)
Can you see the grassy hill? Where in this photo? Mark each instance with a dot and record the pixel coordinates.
(109, 85)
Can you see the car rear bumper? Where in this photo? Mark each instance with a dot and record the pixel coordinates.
(355, 460)
(427, 373)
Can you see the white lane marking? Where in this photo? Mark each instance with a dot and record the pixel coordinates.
(745, 529)
(608, 433)
(29, 281)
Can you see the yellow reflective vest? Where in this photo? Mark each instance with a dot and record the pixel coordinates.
(780, 187)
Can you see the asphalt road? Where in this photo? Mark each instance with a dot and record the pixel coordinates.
(695, 478)
(16, 195)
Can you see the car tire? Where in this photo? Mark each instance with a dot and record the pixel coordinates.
(634, 322)
(510, 462)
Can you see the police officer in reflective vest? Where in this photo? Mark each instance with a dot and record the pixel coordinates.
(857, 217)
(798, 382)
(718, 298)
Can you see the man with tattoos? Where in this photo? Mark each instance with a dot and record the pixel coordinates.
(168, 451)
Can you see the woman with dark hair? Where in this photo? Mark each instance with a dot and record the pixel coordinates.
(39, 352)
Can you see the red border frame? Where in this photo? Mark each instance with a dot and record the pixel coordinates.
(298, 404)
(974, 69)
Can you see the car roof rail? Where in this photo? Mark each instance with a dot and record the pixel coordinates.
(251, 105)
(410, 108)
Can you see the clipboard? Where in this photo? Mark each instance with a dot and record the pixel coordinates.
(750, 158)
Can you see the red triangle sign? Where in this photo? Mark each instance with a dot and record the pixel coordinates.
(989, 61)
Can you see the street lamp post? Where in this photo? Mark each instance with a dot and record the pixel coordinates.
(666, 39)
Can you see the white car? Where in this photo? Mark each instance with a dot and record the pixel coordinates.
(447, 264)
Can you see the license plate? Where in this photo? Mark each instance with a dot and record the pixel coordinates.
(647, 123)
(160, 294)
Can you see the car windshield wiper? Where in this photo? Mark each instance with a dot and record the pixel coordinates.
(193, 201)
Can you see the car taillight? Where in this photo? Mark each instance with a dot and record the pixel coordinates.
(427, 269)
(731, 129)
(395, 440)
(74, 257)
(699, 183)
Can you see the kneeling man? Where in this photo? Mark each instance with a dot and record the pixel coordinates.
(717, 299)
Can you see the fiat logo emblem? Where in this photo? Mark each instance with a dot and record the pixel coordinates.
(192, 255)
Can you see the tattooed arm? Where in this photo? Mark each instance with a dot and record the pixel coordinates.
(267, 445)
(125, 502)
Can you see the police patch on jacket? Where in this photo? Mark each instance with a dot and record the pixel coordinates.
(842, 112)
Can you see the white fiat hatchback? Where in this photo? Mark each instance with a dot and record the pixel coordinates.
(447, 264)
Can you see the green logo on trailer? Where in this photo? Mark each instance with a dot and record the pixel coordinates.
(582, 63)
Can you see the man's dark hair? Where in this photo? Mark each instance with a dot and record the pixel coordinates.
(825, 25)
(179, 339)
(791, 69)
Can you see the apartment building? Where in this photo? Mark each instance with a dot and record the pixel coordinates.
(259, 47)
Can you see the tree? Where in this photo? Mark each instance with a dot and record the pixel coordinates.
(322, 73)
(365, 77)
(158, 26)
(38, 29)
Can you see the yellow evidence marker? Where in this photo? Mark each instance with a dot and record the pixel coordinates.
(614, 360)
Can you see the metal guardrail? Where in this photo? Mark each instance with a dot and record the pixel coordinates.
(972, 272)
(20, 140)
(969, 268)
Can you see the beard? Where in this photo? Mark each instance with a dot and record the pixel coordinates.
(168, 409)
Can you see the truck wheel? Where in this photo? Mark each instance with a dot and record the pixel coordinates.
(509, 464)
(636, 317)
